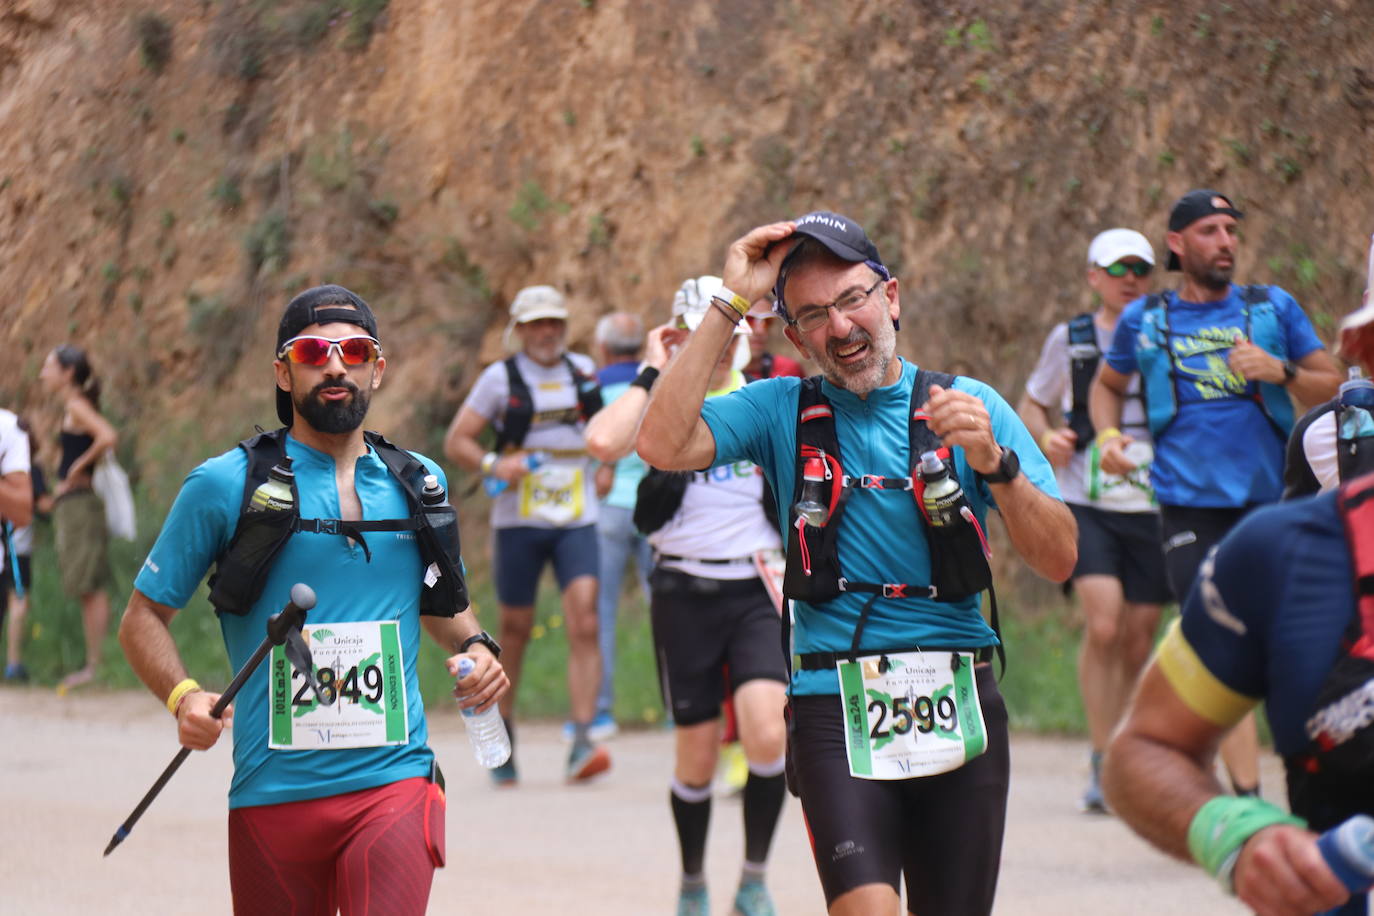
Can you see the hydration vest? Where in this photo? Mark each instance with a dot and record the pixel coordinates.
(1159, 367)
(520, 415)
(814, 573)
(1354, 432)
(1334, 775)
(241, 571)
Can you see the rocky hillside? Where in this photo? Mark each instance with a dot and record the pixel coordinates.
(171, 170)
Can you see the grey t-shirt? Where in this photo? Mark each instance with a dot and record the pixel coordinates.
(561, 493)
(1050, 384)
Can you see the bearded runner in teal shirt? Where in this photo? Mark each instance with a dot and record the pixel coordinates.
(336, 804)
(882, 809)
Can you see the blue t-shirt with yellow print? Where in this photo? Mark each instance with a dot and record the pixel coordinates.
(881, 537)
(1220, 451)
(348, 588)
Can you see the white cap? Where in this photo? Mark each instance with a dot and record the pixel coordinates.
(535, 302)
(1114, 244)
(693, 299)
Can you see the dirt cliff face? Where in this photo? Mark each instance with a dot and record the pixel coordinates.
(173, 171)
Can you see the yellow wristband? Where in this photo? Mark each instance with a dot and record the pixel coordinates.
(488, 462)
(1045, 438)
(1107, 435)
(179, 693)
(734, 300)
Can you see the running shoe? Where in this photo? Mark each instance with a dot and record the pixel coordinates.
(752, 899)
(505, 776)
(587, 761)
(602, 728)
(692, 901)
(734, 769)
(1092, 801)
(16, 672)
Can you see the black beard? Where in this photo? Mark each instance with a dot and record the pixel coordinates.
(1215, 278)
(334, 416)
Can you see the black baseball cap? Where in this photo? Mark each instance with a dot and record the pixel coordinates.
(1193, 206)
(841, 236)
(319, 305)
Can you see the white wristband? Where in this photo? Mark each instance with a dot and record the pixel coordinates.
(734, 300)
(488, 462)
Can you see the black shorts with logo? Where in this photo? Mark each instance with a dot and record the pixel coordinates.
(943, 833)
(701, 626)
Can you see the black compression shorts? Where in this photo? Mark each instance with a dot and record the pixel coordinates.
(943, 833)
(1125, 546)
(701, 626)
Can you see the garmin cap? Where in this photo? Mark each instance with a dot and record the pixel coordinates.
(319, 305)
(1111, 246)
(693, 299)
(841, 236)
(1193, 206)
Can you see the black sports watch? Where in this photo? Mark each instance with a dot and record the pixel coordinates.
(1007, 468)
(485, 639)
(1290, 371)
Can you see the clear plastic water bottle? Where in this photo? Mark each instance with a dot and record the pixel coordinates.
(486, 731)
(495, 485)
(1349, 850)
(814, 506)
(942, 494)
(274, 493)
(1357, 391)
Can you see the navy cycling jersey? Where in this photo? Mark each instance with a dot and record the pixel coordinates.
(1265, 618)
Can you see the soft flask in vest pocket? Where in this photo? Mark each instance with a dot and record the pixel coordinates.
(958, 550)
(813, 569)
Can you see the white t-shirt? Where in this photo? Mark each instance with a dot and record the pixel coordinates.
(562, 492)
(1050, 384)
(721, 518)
(14, 451)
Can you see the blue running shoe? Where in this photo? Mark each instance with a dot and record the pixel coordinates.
(752, 899)
(505, 776)
(587, 762)
(692, 901)
(602, 727)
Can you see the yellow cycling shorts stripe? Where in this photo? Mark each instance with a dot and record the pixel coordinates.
(1197, 687)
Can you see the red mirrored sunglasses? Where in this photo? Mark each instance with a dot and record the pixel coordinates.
(310, 350)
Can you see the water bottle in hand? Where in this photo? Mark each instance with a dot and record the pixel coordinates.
(495, 485)
(1349, 851)
(486, 731)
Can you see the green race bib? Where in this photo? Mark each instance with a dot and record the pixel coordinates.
(910, 714)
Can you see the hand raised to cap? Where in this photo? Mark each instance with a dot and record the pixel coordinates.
(660, 344)
(751, 265)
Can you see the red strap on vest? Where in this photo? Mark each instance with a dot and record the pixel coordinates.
(1356, 500)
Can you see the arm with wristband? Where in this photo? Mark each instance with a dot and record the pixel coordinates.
(1158, 778)
(672, 435)
(610, 435)
(1106, 398)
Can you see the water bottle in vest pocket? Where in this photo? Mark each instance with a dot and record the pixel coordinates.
(958, 549)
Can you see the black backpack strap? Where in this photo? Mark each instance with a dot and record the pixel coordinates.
(1084, 356)
(588, 391)
(519, 413)
(919, 437)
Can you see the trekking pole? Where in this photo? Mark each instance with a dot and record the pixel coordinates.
(280, 628)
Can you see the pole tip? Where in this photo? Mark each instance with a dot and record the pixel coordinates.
(302, 596)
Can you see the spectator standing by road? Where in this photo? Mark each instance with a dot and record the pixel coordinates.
(1119, 579)
(16, 578)
(78, 513)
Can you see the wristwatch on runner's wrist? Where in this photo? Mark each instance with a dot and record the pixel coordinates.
(1007, 468)
(485, 639)
(1290, 371)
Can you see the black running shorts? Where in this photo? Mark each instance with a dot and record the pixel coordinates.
(943, 833)
(1125, 546)
(701, 626)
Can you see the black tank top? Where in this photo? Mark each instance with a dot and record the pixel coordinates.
(74, 445)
